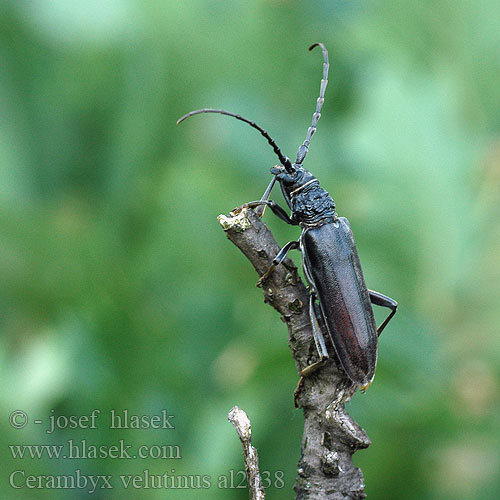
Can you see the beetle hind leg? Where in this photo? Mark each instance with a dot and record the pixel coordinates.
(380, 299)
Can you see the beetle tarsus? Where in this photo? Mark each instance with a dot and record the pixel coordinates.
(313, 367)
(265, 276)
(297, 390)
(307, 372)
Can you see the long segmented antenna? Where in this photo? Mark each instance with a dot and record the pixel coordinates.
(301, 154)
(285, 161)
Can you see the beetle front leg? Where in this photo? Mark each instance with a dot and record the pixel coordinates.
(260, 210)
(291, 245)
(277, 210)
(380, 299)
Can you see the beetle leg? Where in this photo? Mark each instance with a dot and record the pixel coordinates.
(315, 315)
(260, 210)
(277, 210)
(291, 245)
(319, 340)
(296, 392)
(380, 299)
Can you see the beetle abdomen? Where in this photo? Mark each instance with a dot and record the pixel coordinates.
(332, 263)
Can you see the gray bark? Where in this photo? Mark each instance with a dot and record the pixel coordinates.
(325, 470)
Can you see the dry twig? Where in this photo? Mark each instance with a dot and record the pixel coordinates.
(242, 425)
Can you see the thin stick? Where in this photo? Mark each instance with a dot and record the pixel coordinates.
(243, 427)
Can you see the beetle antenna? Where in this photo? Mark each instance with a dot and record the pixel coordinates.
(285, 161)
(301, 154)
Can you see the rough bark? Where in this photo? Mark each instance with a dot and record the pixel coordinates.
(325, 470)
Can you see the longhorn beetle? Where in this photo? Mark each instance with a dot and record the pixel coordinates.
(329, 256)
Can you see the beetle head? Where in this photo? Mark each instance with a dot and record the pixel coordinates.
(292, 179)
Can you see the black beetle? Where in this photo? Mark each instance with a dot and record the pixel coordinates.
(330, 259)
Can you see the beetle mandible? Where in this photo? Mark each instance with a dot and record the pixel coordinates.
(339, 297)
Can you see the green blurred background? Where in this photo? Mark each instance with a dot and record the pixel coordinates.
(120, 291)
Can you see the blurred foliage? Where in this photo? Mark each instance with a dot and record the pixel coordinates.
(119, 289)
